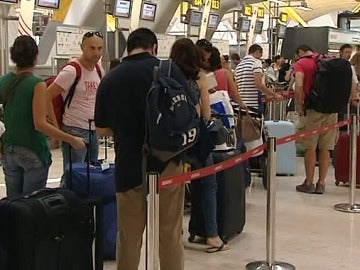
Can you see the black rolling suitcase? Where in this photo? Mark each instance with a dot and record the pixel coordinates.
(230, 200)
(51, 229)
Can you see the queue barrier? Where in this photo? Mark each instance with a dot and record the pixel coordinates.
(170, 181)
(156, 183)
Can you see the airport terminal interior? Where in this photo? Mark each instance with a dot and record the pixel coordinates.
(308, 233)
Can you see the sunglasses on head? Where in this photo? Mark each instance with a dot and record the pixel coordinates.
(205, 44)
(91, 34)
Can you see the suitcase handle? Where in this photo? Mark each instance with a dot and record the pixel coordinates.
(43, 191)
(53, 201)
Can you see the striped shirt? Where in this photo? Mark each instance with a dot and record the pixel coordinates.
(244, 74)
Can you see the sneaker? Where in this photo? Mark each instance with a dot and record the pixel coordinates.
(320, 189)
(305, 188)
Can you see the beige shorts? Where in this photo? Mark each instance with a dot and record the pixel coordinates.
(324, 141)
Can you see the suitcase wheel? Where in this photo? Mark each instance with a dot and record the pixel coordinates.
(191, 238)
(337, 183)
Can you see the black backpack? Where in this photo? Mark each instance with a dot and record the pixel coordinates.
(172, 123)
(332, 85)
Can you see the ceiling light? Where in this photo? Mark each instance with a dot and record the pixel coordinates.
(304, 6)
(278, 2)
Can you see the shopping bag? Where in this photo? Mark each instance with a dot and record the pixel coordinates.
(248, 128)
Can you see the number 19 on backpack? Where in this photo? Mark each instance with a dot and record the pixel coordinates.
(189, 136)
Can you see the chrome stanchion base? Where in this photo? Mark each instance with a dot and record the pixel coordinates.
(263, 265)
(347, 207)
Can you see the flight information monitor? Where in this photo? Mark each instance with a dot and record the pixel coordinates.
(258, 27)
(195, 18)
(213, 20)
(9, 1)
(148, 11)
(281, 31)
(49, 3)
(244, 25)
(122, 8)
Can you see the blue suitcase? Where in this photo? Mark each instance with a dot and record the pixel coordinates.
(102, 184)
(286, 153)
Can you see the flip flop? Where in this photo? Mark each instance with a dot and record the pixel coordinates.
(213, 249)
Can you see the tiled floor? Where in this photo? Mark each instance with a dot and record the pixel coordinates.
(309, 233)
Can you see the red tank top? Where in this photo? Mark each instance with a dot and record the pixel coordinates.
(221, 79)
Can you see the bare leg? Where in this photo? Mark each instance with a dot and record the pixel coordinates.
(310, 161)
(324, 159)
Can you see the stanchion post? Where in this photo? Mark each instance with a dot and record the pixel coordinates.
(270, 263)
(152, 235)
(351, 207)
(352, 167)
(271, 109)
(271, 201)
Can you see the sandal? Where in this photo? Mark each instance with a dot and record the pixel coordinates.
(213, 249)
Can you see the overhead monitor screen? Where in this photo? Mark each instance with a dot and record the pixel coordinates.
(122, 8)
(195, 18)
(244, 25)
(49, 3)
(148, 11)
(213, 20)
(258, 27)
(9, 1)
(281, 30)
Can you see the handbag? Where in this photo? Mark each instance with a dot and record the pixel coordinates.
(248, 128)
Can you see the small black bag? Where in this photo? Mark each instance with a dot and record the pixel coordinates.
(202, 148)
(214, 133)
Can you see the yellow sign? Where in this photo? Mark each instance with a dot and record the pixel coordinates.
(283, 17)
(215, 4)
(248, 10)
(198, 3)
(261, 12)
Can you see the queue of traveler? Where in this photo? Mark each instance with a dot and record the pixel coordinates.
(117, 102)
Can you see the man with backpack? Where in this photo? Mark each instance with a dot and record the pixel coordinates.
(122, 109)
(77, 83)
(322, 88)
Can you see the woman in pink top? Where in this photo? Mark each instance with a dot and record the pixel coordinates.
(223, 77)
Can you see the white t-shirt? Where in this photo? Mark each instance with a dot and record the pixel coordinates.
(354, 80)
(244, 73)
(82, 106)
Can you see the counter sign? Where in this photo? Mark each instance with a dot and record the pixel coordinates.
(215, 4)
(248, 10)
(261, 12)
(198, 3)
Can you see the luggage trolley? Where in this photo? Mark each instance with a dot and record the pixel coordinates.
(258, 164)
(278, 110)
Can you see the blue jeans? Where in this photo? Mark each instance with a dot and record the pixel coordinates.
(80, 155)
(23, 170)
(209, 200)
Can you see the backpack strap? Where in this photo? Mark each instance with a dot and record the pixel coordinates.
(98, 69)
(165, 68)
(71, 93)
(77, 67)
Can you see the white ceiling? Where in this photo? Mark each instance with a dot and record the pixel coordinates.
(320, 7)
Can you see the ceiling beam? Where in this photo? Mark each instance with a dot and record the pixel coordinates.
(295, 16)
